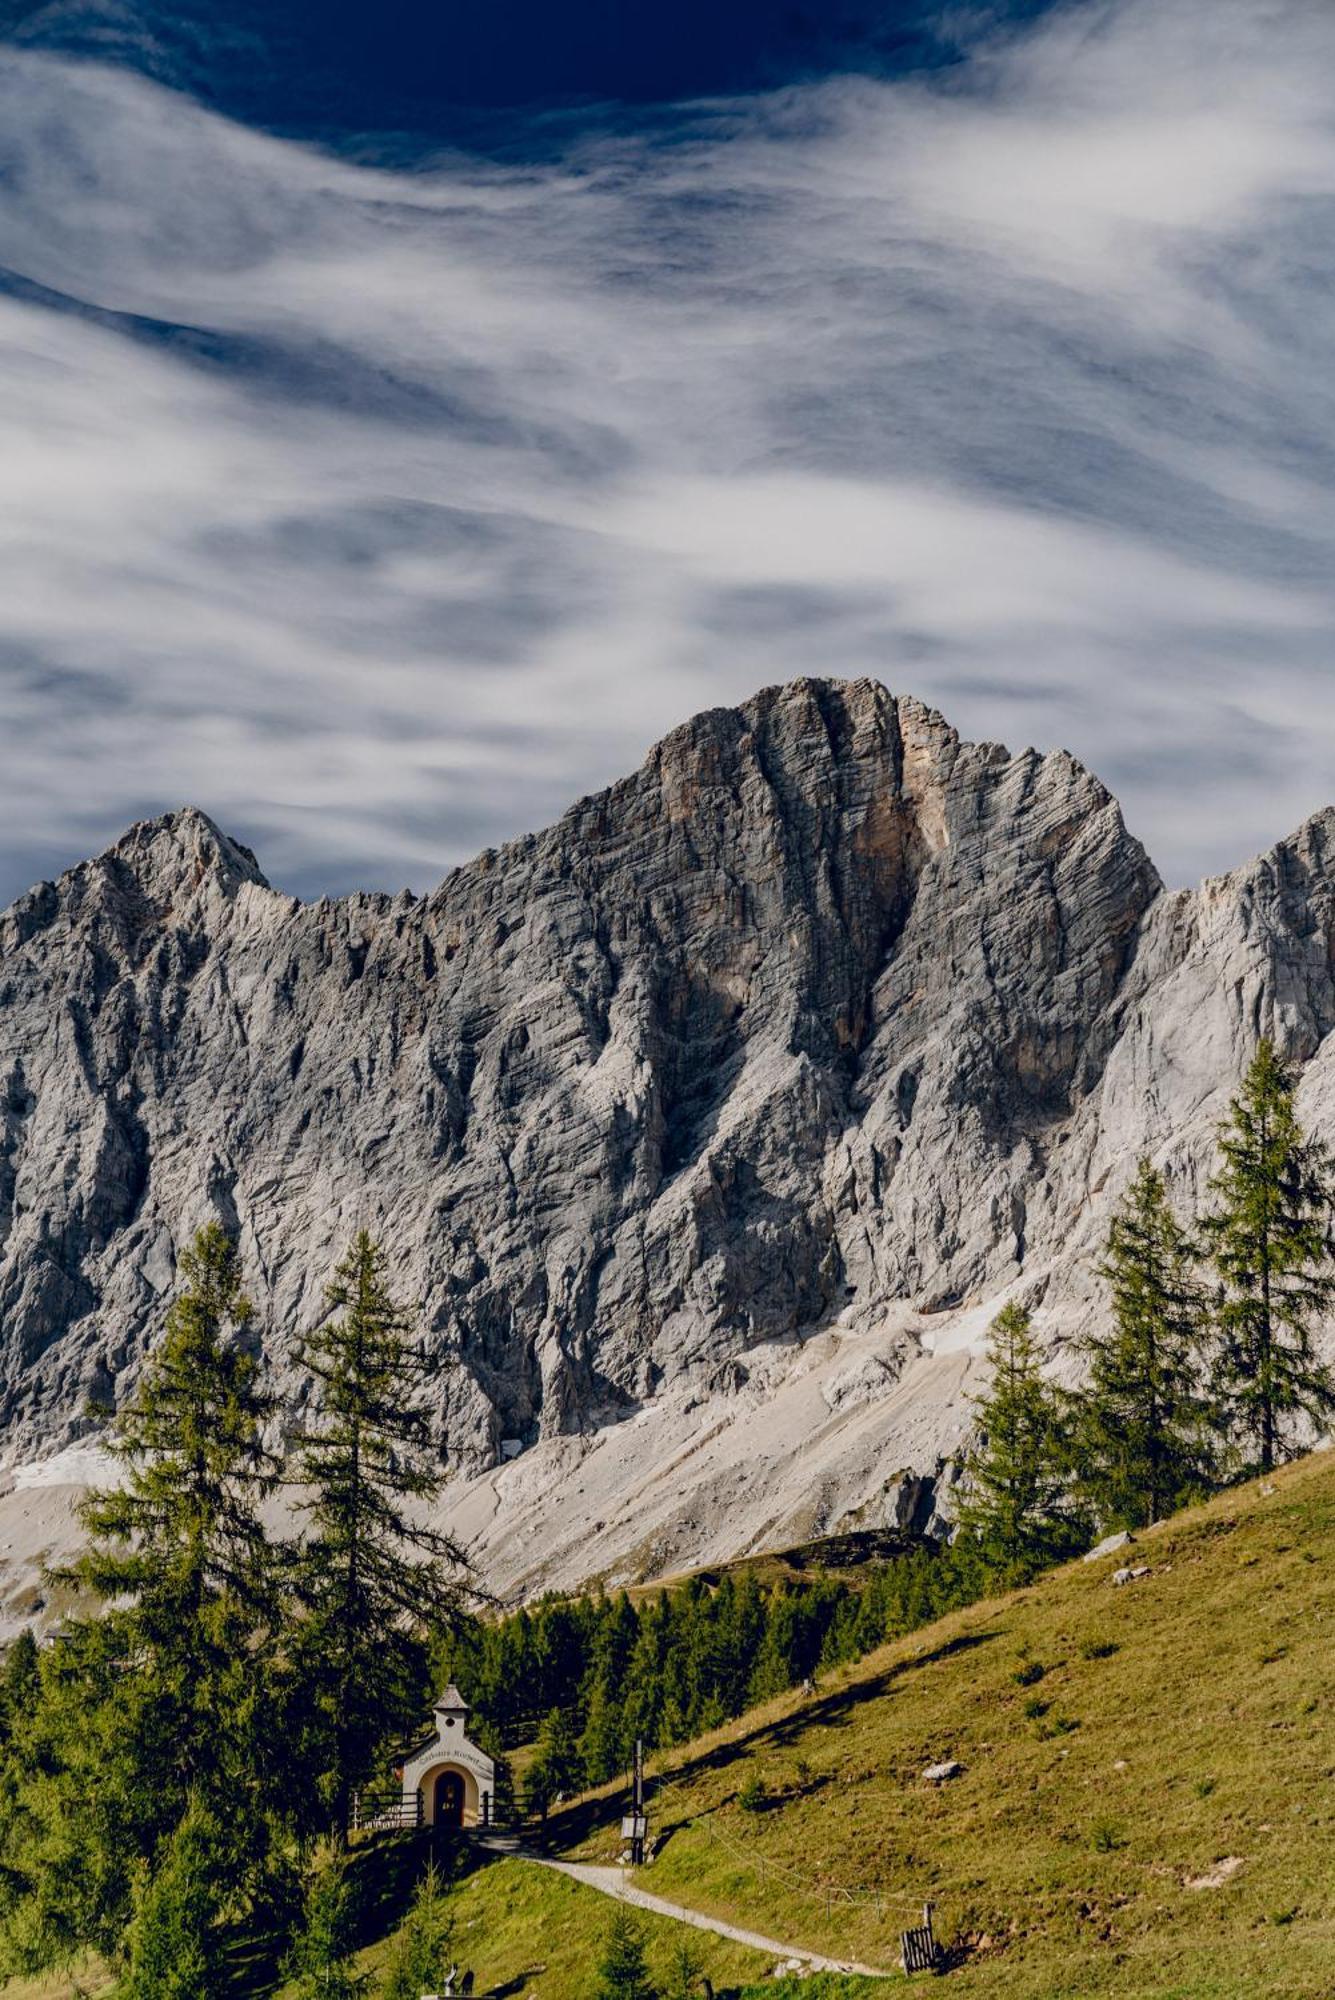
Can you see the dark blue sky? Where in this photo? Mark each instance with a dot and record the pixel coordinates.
(452, 70)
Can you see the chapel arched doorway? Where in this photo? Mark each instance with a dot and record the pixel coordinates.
(449, 1801)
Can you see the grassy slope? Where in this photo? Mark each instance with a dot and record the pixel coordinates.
(1190, 1718)
(1066, 1848)
(850, 1558)
(524, 1929)
(521, 1928)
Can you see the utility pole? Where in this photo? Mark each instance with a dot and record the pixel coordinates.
(635, 1826)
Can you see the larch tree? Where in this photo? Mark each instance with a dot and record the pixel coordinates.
(1142, 1428)
(1270, 1239)
(153, 1711)
(374, 1574)
(1016, 1513)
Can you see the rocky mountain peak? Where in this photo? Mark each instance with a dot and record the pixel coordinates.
(822, 1028)
(184, 850)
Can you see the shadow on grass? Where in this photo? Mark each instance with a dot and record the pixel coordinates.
(571, 1825)
(385, 1870)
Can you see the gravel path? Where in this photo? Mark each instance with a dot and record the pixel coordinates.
(613, 1882)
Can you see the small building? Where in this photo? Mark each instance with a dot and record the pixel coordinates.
(448, 1781)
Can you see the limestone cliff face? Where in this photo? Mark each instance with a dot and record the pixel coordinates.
(821, 1018)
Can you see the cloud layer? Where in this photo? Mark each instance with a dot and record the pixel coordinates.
(384, 512)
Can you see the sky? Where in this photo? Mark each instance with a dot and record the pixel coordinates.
(407, 415)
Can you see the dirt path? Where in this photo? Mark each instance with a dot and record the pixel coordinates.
(613, 1882)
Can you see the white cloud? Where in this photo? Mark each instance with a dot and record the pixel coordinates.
(382, 513)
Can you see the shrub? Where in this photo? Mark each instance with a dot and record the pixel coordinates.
(1029, 1672)
(1099, 1649)
(753, 1797)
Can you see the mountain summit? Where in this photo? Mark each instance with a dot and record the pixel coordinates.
(751, 1086)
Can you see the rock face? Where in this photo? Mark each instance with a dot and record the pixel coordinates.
(822, 1023)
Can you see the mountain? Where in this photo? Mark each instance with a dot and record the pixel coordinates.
(707, 1128)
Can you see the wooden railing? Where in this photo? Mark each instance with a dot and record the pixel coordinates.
(377, 1811)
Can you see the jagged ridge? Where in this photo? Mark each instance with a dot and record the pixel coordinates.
(822, 1019)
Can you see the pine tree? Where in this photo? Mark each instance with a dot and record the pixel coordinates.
(557, 1767)
(1142, 1423)
(623, 1972)
(423, 1949)
(174, 1946)
(1270, 1240)
(374, 1576)
(155, 1708)
(1016, 1513)
(319, 1964)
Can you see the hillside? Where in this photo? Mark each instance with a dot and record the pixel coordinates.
(1144, 1805)
(705, 1130)
(1145, 1799)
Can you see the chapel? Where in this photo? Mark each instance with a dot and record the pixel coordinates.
(448, 1781)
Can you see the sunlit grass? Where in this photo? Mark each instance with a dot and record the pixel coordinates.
(1117, 1744)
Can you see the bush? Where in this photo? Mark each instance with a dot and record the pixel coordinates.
(1099, 1649)
(1029, 1673)
(1105, 1836)
(753, 1797)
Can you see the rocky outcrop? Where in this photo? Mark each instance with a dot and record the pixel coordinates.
(824, 1021)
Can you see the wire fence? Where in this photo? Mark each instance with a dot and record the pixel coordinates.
(832, 1895)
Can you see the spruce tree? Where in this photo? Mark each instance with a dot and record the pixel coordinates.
(1142, 1423)
(557, 1768)
(1269, 1236)
(623, 1971)
(155, 1708)
(374, 1575)
(174, 1944)
(423, 1948)
(319, 1964)
(1016, 1514)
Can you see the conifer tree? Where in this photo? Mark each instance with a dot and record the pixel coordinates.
(154, 1708)
(175, 1949)
(685, 1969)
(1016, 1513)
(623, 1971)
(423, 1948)
(557, 1767)
(1142, 1423)
(19, 1683)
(1269, 1236)
(374, 1575)
(319, 1963)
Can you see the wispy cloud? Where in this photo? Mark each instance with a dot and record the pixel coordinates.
(382, 513)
